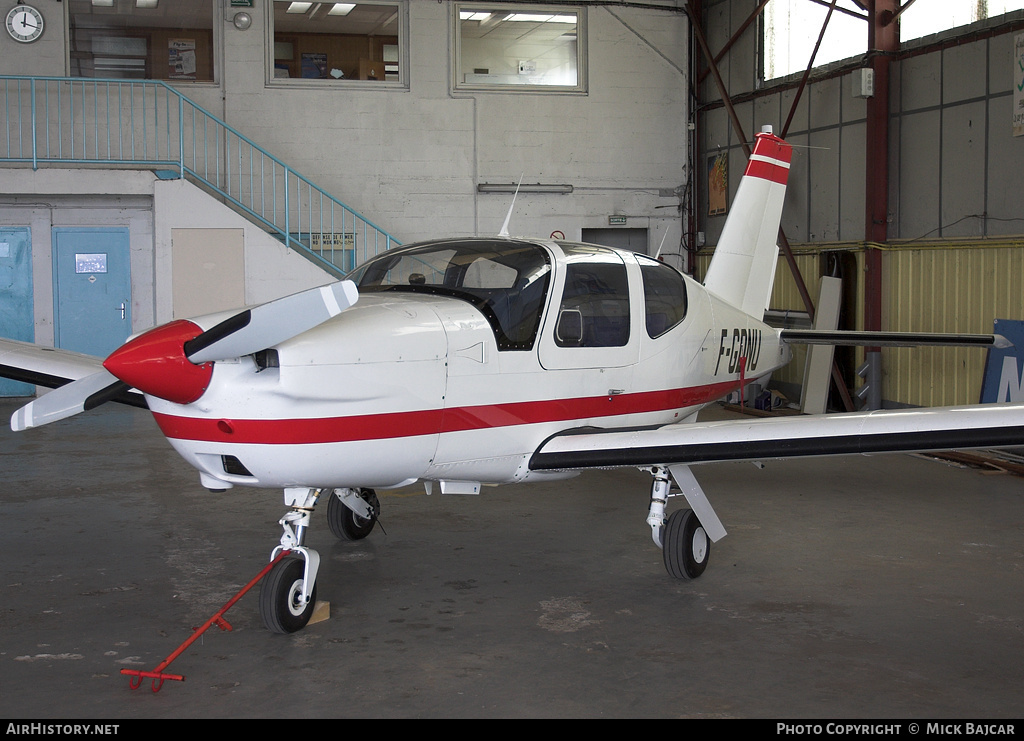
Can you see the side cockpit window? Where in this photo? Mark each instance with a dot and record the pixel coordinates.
(664, 296)
(594, 311)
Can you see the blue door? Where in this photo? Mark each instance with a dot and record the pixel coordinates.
(92, 289)
(16, 315)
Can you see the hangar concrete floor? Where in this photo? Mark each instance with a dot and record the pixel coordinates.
(870, 587)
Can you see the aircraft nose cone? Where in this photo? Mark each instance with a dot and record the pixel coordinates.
(155, 364)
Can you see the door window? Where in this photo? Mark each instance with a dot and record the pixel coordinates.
(594, 311)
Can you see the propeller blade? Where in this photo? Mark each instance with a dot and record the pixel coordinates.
(68, 400)
(269, 324)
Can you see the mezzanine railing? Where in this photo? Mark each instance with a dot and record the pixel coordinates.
(147, 123)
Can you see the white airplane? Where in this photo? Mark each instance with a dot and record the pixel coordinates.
(464, 362)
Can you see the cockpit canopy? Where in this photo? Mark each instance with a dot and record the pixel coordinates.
(506, 280)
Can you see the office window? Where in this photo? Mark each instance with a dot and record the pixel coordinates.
(141, 39)
(528, 47)
(327, 43)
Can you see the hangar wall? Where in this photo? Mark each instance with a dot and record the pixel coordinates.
(955, 220)
(156, 213)
(411, 159)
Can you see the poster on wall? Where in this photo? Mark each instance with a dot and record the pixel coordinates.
(1018, 85)
(181, 59)
(314, 66)
(718, 184)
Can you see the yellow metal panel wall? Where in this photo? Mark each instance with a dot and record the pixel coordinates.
(959, 287)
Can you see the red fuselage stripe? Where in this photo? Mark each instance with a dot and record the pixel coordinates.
(431, 421)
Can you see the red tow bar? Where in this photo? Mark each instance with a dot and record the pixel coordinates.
(158, 675)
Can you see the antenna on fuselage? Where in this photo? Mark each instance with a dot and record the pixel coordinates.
(508, 216)
(657, 255)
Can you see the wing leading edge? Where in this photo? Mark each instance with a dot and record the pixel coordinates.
(883, 431)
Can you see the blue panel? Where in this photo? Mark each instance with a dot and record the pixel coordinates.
(1004, 370)
(16, 315)
(92, 289)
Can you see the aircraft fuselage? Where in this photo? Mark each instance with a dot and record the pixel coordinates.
(453, 387)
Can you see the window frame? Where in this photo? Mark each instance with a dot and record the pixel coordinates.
(458, 84)
(215, 60)
(402, 83)
(650, 268)
(603, 309)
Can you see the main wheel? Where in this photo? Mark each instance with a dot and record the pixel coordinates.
(685, 545)
(280, 593)
(346, 524)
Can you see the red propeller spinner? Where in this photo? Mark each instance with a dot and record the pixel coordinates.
(155, 363)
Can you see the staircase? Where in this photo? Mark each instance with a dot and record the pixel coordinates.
(148, 124)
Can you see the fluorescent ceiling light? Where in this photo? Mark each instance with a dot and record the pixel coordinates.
(103, 3)
(341, 9)
(298, 7)
(472, 15)
(560, 188)
(541, 18)
(146, 3)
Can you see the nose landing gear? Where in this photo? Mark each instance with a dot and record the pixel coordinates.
(288, 593)
(283, 607)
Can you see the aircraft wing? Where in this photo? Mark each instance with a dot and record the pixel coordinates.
(900, 430)
(53, 367)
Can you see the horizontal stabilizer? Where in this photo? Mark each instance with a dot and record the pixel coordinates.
(891, 339)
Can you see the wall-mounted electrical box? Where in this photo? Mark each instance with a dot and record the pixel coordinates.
(863, 82)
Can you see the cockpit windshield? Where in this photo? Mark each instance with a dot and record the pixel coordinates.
(506, 280)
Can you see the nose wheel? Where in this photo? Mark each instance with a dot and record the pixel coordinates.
(281, 604)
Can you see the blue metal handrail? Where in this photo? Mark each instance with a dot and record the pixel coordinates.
(147, 123)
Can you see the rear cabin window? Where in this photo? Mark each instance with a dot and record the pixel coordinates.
(594, 311)
(664, 296)
(507, 281)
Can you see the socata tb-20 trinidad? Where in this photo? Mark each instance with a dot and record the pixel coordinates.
(461, 362)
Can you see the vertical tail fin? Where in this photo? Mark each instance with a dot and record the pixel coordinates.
(742, 269)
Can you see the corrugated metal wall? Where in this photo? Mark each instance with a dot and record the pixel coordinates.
(946, 287)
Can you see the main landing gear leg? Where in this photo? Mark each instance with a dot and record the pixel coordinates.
(685, 536)
(288, 592)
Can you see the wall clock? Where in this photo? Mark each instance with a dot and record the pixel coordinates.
(24, 23)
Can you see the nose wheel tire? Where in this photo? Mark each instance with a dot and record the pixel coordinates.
(685, 545)
(346, 524)
(280, 597)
